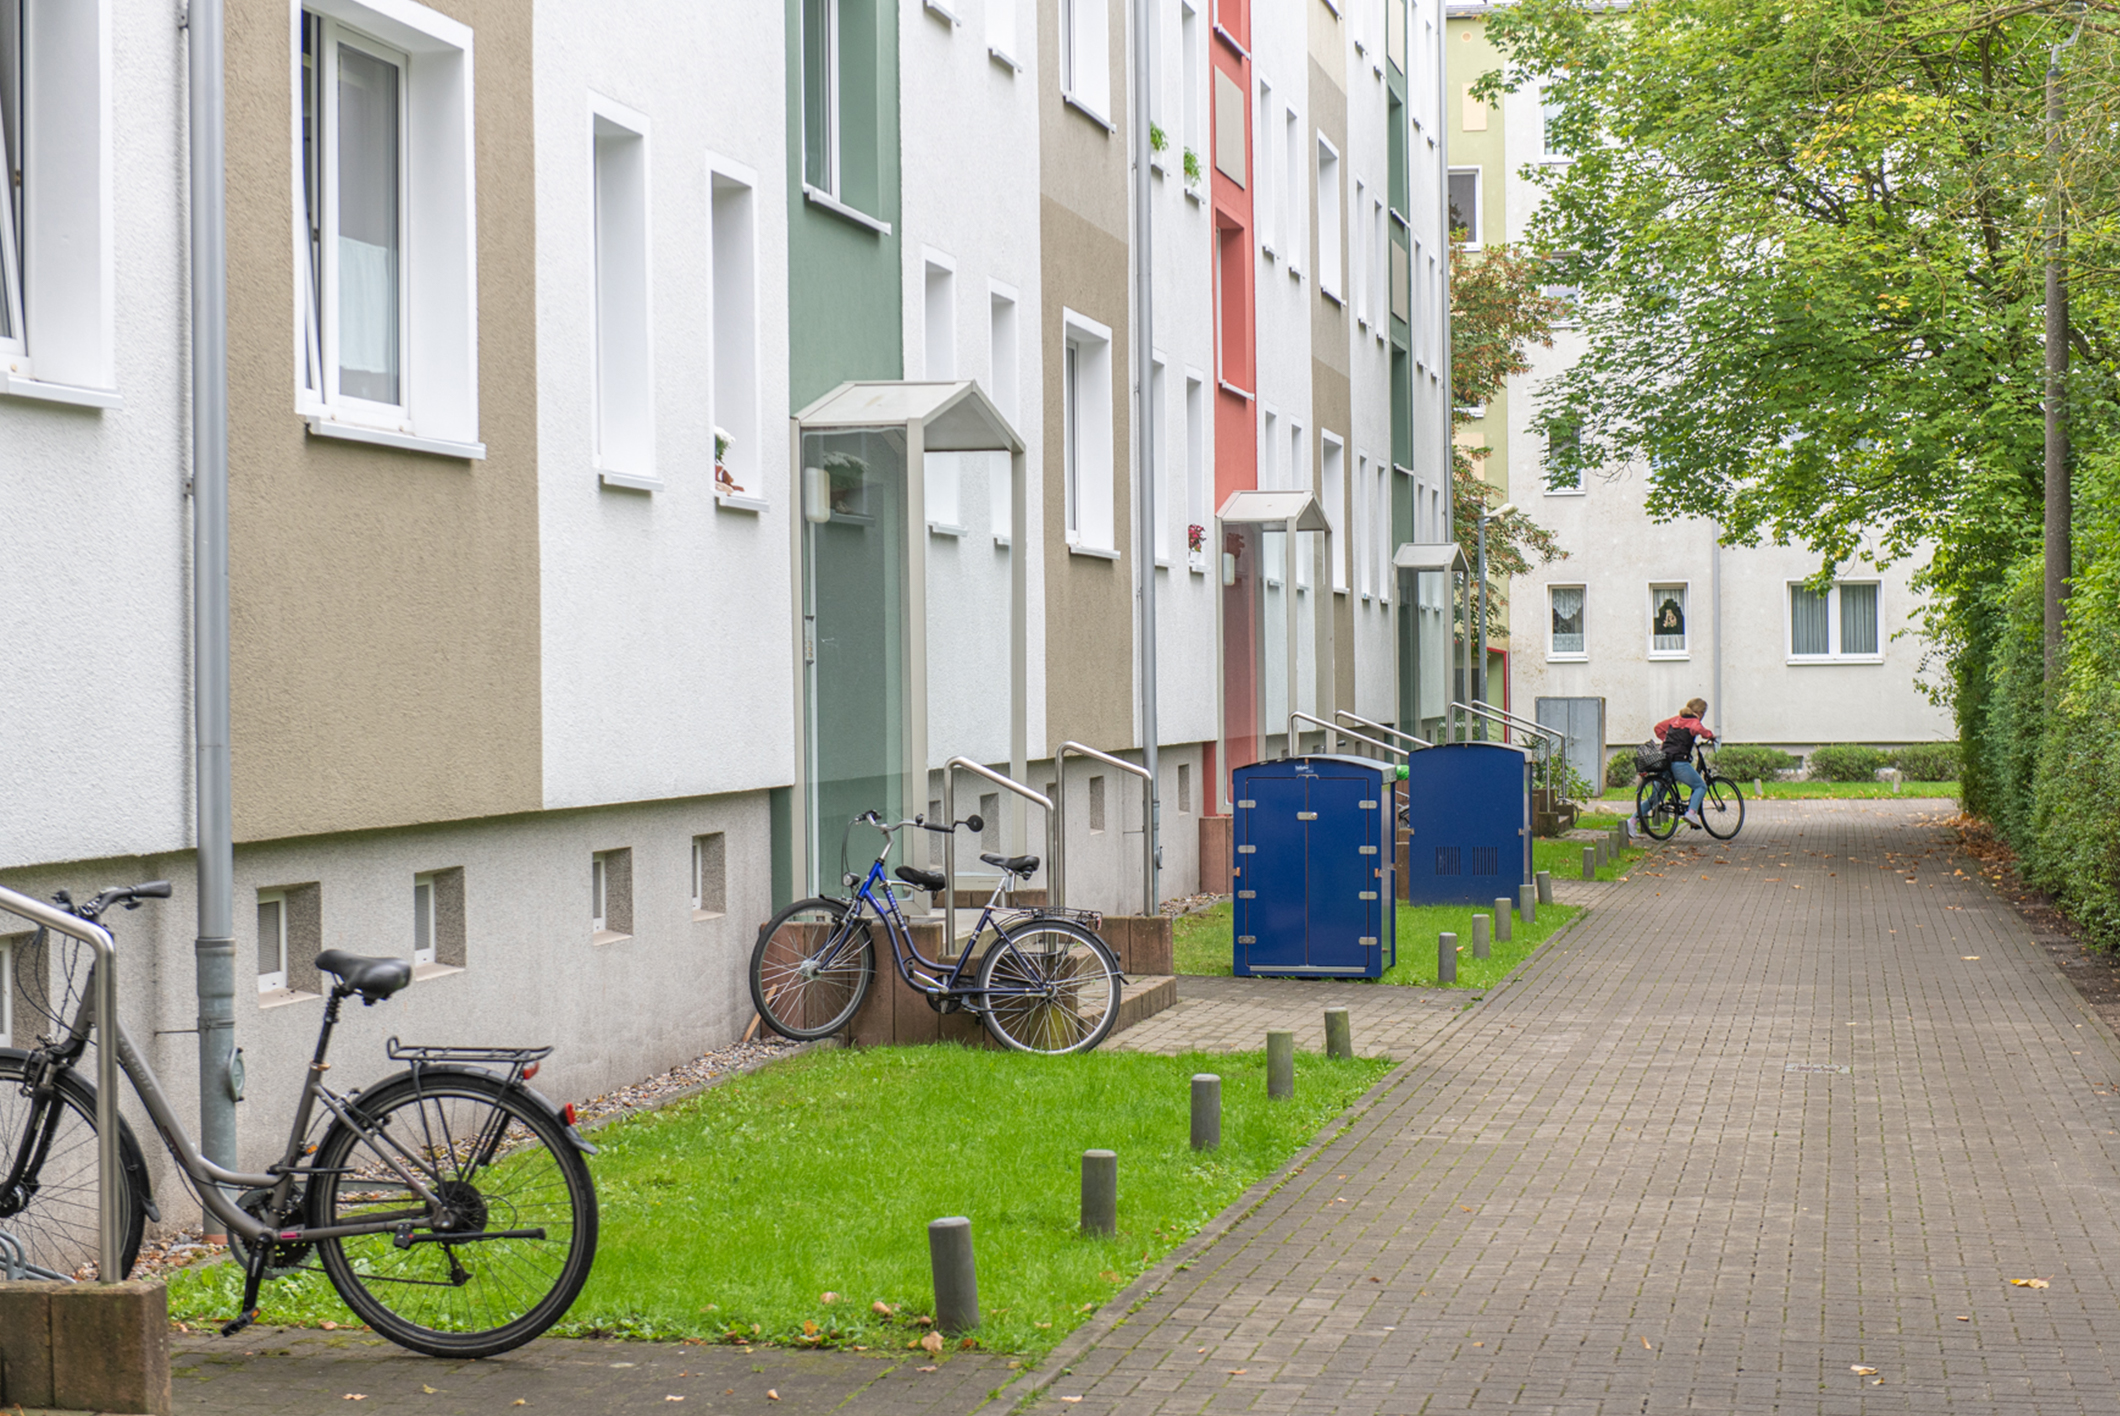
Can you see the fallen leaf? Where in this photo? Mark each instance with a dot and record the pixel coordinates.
(1238, 1371)
(1864, 1371)
(923, 1321)
(330, 1327)
(828, 1297)
(967, 1344)
(2028, 1283)
(809, 1329)
(1964, 1318)
(1466, 1208)
(427, 1389)
(927, 1369)
(1969, 957)
(932, 1342)
(1109, 1275)
(772, 1395)
(1645, 1345)
(882, 1308)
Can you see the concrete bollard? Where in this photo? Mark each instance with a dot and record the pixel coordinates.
(1446, 959)
(1339, 1033)
(1280, 1065)
(1206, 1111)
(1619, 841)
(1759, 789)
(956, 1275)
(1527, 903)
(1545, 886)
(1589, 862)
(1479, 937)
(1100, 1192)
(1501, 919)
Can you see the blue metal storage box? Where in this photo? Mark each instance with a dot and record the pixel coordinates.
(1313, 868)
(1468, 810)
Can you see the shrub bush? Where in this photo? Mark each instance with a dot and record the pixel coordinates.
(1747, 762)
(1847, 762)
(1928, 761)
(1619, 769)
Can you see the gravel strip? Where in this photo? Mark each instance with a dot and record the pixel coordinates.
(685, 1079)
(1191, 904)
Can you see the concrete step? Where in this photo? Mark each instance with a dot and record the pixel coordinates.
(1143, 998)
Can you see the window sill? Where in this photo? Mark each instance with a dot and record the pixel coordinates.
(1093, 552)
(1799, 661)
(1090, 113)
(1002, 543)
(1228, 387)
(943, 12)
(1003, 58)
(322, 425)
(1566, 491)
(738, 501)
(1567, 658)
(281, 997)
(700, 916)
(422, 972)
(944, 528)
(73, 395)
(1670, 656)
(1231, 40)
(1332, 295)
(626, 481)
(1194, 193)
(838, 208)
(608, 936)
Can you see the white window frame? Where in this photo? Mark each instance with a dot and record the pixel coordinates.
(1833, 632)
(1004, 364)
(1560, 656)
(1265, 201)
(1295, 212)
(825, 183)
(438, 252)
(1331, 205)
(1001, 31)
(14, 76)
(943, 481)
(1159, 452)
(1085, 58)
(599, 887)
(699, 871)
(735, 349)
(423, 950)
(276, 980)
(1299, 479)
(1685, 594)
(1086, 436)
(1361, 519)
(1197, 491)
(1332, 480)
(1545, 131)
(1478, 222)
(1545, 475)
(1192, 46)
(622, 357)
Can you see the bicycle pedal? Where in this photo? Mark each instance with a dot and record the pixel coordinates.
(239, 1322)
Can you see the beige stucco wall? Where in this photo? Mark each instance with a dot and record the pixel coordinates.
(1331, 390)
(1089, 609)
(384, 603)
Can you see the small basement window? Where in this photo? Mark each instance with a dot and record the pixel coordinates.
(611, 896)
(710, 876)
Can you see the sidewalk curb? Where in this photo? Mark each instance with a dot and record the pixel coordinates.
(1129, 1300)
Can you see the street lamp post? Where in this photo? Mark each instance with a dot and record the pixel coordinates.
(1481, 630)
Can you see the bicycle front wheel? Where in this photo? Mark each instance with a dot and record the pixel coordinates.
(515, 1235)
(1722, 809)
(1049, 986)
(1656, 807)
(50, 1212)
(811, 968)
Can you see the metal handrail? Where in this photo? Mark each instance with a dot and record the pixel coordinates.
(96, 937)
(1519, 720)
(949, 841)
(1380, 727)
(1486, 712)
(1058, 879)
(1404, 752)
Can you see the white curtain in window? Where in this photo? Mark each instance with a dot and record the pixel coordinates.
(368, 226)
(1667, 619)
(1567, 619)
(1809, 628)
(1858, 619)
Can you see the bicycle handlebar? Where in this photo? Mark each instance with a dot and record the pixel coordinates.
(972, 822)
(131, 896)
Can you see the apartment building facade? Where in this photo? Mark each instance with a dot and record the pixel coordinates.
(1644, 614)
(533, 562)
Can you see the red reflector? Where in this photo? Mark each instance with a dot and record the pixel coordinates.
(531, 1070)
(290, 1234)
(568, 1112)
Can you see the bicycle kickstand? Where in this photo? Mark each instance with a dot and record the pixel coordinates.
(253, 1279)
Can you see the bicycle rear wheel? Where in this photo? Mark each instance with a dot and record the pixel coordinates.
(1050, 987)
(1656, 807)
(811, 968)
(498, 1161)
(1722, 809)
(51, 1213)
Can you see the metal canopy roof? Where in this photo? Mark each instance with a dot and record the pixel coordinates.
(954, 417)
(1274, 509)
(1430, 555)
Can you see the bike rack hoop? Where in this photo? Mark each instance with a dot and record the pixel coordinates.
(1511, 721)
(949, 839)
(96, 937)
(1359, 721)
(1148, 817)
(1294, 718)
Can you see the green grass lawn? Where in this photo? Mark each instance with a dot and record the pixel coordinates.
(735, 1212)
(1802, 791)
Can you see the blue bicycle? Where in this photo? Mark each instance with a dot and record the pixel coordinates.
(1046, 983)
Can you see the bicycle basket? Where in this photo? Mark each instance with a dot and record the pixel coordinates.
(1649, 757)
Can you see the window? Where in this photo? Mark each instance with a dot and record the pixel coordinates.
(272, 941)
(1085, 57)
(422, 920)
(385, 111)
(739, 452)
(1568, 641)
(710, 876)
(1299, 479)
(1667, 621)
(1001, 387)
(1384, 569)
(1184, 789)
(1562, 443)
(1096, 803)
(943, 488)
(1840, 625)
(1332, 460)
(1359, 254)
(1380, 275)
(610, 896)
(1328, 219)
(1229, 129)
(1401, 273)
(1196, 513)
(1473, 113)
(1395, 33)
(1086, 433)
(841, 166)
(1189, 44)
(625, 385)
(1001, 28)
(1295, 221)
(1359, 529)
(1269, 449)
(1264, 198)
(820, 95)
(1159, 472)
(438, 921)
(1465, 205)
(1232, 274)
(1550, 127)
(13, 70)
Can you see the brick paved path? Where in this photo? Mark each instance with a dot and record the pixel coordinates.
(1756, 1120)
(1234, 1014)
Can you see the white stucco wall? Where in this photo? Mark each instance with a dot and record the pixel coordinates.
(94, 597)
(1368, 161)
(666, 657)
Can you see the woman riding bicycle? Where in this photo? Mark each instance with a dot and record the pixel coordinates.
(1678, 734)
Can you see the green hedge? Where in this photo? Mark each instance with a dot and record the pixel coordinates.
(1847, 762)
(1748, 762)
(1619, 769)
(1928, 762)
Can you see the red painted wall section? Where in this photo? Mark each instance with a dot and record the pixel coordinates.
(1232, 266)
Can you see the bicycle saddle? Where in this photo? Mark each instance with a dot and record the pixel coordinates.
(1014, 865)
(373, 979)
(929, 880)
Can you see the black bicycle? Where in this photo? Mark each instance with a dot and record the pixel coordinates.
(450, 1205)
(1660, 801)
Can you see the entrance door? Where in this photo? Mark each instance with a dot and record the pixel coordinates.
(854, 639)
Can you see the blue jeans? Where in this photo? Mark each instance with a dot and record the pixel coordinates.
(1690, 775)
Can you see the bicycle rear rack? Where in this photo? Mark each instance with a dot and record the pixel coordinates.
(521, 1062)
(1088, 919)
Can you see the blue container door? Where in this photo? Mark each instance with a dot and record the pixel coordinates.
(1269, 914)
(1341, 900)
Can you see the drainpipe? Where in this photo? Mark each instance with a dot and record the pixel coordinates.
(1145, 458)
(215, 948)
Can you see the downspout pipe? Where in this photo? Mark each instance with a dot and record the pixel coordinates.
(1144, 355)
(215, 949)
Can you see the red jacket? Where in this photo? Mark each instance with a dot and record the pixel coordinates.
(1677, 734)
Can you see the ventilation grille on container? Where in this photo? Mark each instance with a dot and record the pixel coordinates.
(1448, 860)
(1486, 860)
